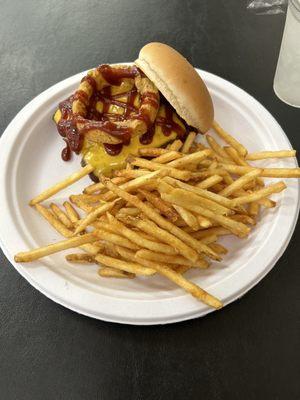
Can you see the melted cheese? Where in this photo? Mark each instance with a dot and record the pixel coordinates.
(94, 153)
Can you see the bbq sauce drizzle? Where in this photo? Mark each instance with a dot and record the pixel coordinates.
(73, 137)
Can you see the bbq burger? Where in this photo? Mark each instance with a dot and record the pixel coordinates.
(119, 109)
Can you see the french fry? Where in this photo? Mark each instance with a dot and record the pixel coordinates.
(98, 187)
(262, 155)
(188, 217)
(219, 231)
(268, 203)
(265, 172)
(218, 248)
(260, 194)
(61, 215)
(136, 238)
(54, 248)
(109, 236)
(196, 199)
(235, 227)
(216, 147)
(240, 183)
(153, 166)
(239, 160)
(131, 173)
(81, 204)
(204, 222)
(188, 246)
(89, 198)
(71, 212)
(190, 158)
(229, 139)
(133, 211)
(179, 280)
(161, 205)
(59, 227)
(181, 269)
(188, 142)
(137, 183)
(206, 194)
(176, 145)
(167, 157)
(107, 272)
(62, 185)
(254, 209)
(80, 258)
(93, 215)
(152, 151)
(244, 218)
(209, 182)
(127, 266)
(169, 259)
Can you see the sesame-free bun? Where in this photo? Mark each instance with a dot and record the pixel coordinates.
(178, 81)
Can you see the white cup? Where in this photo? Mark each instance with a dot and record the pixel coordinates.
(287, 75)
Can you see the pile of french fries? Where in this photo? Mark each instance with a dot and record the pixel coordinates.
(164, 213)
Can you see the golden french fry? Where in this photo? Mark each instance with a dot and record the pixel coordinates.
(161, 205)
(190, 158)
(181, 269)
(206, 194)
(153, 166)
(61, 215)
(254, 209)
(262, 155)
(240, 183)
(54, 248)
(62, 185)
(188, 142)
(127, 266)
(229, 139)
(179, 280)
(204, 222)
(81, 204)
(218, 231)
(235, 227)
(239, 160)
(93, 215)
(98, 187)
(265, 172)
(203, 174)
(136, 238)
(111, 237)
(140, 181)
(198, 200)
(188, 217)
(89, 198)
(218, 248)
(167, 157)
(108, 272)
(176, 145)
(268, 203)
(260, 194)
(169, 259)
(71, 212)
(216, 147)
(133, 211)
(244, 218)
(188, 245)
(152, 151)
(80, 258)
(209, 182)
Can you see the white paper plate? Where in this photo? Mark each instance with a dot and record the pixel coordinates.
(30, 161)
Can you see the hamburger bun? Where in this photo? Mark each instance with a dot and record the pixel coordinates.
(179, 83)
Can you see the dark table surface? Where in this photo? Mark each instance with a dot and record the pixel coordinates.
(250, 349)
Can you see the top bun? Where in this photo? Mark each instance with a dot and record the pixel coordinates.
(178, 81)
